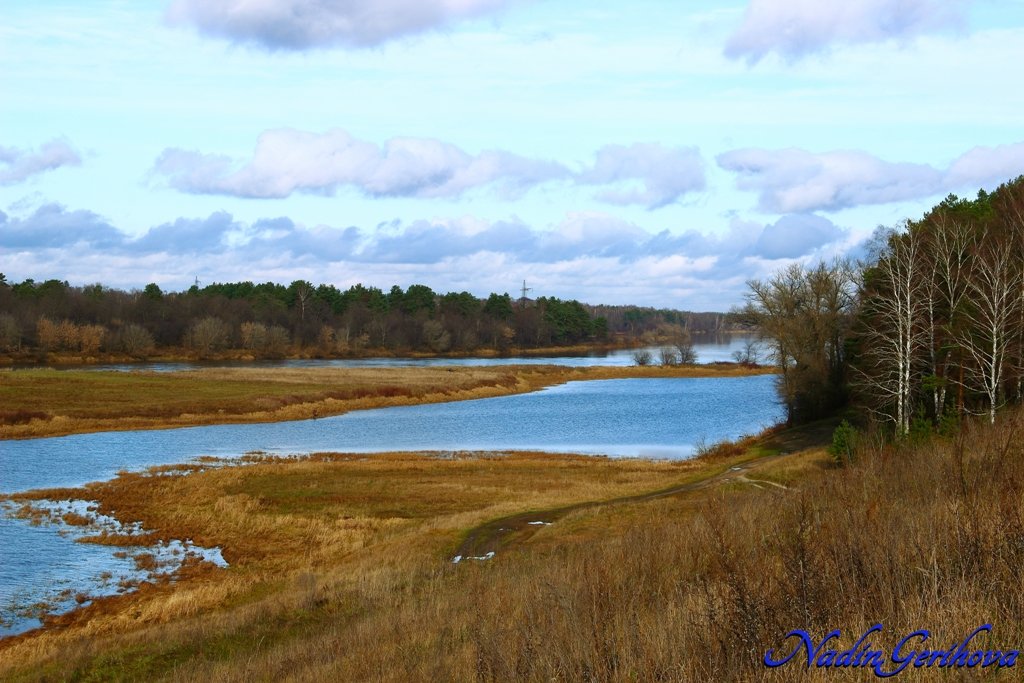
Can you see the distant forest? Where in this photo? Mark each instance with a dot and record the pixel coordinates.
(927, 329)
(271, 320)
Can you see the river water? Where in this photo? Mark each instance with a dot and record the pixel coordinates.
(709, 349)
(656, 418)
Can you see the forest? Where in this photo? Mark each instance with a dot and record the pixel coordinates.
(272, 320)
(927, 328)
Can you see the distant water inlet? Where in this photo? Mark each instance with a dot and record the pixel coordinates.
(709, 349)
(656, 418)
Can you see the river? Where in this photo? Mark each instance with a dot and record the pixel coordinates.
(656, 418)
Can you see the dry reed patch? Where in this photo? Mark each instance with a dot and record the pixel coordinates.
(362, 526)
(695, 587)
(698, 588)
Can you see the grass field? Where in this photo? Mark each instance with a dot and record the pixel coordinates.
(341, 565)
(46, 402)
(310, 543)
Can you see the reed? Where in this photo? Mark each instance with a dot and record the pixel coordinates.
(692, 586)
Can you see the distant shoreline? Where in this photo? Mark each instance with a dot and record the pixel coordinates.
(183, 355)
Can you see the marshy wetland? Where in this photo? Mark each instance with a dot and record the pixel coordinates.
(65, 553)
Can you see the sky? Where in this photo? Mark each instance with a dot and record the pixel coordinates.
(648, 152)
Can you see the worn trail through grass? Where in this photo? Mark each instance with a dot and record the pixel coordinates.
(487, 539)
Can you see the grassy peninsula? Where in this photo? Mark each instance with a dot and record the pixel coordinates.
(46, 402)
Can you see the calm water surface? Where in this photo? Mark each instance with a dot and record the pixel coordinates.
(708, 349)
(661, 418)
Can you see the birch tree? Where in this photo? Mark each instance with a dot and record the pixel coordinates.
(948, 248)
(994, 297)
(894, 333)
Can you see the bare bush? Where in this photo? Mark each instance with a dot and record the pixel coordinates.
(208, 335)
(91, 338)
(135, 340)
(47, 336)
(68, 337)
(254, 336)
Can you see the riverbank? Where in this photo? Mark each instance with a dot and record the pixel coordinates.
(344, 564)
(327, 540)
(47, 402)
(180, 354)
(185, 355)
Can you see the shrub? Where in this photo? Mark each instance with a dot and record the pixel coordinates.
(136, 341)
(642, 357)
(843, 444)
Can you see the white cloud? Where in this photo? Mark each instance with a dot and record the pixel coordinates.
(18, 165)
(287, 161)
(304, 24)
(667, 173)
(797, 181)
(987, 165)
(795, 28)
(591, 256)
(796, 235)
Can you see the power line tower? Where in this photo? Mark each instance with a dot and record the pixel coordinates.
(522, 299)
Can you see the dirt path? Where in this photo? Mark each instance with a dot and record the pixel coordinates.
(484, 541)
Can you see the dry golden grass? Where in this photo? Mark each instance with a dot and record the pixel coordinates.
(341, 524)
(690, 587)
(47, 402)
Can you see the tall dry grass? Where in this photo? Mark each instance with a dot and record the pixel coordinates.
(690, 588)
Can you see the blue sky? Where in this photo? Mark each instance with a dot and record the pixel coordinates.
(645, 152)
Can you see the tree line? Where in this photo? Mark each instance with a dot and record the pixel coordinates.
(927, 328)
(272, 320)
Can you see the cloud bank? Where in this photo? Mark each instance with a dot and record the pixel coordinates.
(305, 24)
(666, 173)
(286, 161)
(18, 165)
(592, 256)
(797, 181)
(797, 28)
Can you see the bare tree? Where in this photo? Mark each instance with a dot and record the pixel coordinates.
(948, 248)
(684, 351)
(894, 337)
(994, 296)
(803, 317)
(749, 353)
(642, 357)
